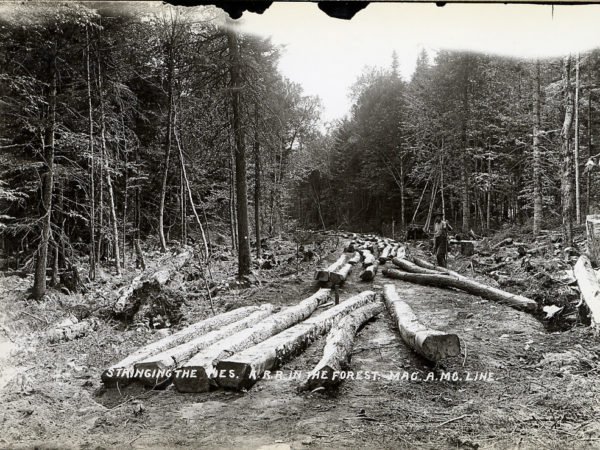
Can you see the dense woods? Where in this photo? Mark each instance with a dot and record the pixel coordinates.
(166, 126)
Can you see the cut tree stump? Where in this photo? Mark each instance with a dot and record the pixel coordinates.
(121, 372)
(369, 273)
(432, 344)
(589, 287)
(340, 276)
(243, 370)
(157, 370)
(338, 348)
(198, 374)
(145, 284)
(467, 285)
(323, 274)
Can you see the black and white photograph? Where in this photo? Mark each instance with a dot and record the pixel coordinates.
(299, 225)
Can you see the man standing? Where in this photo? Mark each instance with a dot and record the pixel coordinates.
(440, 239)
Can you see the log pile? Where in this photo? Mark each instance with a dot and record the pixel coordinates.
(198, 374)
(243, 370)
(123, 370)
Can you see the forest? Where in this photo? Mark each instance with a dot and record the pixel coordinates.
(170, 199)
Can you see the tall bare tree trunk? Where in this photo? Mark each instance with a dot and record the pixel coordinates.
(92, 272)
(488, 212)
(111, 197)
(256, 184)
(466, 211)
(567, 158)
(590, 153)
(240, 156)
(537, 168)
(168, 144)
(402, 193)
(125, 189)
(39, 282)
(576, 146)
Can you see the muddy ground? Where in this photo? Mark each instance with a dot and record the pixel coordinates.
(540, 389)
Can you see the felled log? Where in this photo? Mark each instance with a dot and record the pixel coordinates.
(427, 265)
(157, 370)
(71, 329)
(338, 348)
(369, 273)
(385, 254)
(243, 370)
(467, 285)
(432, 344)
(340, 276)
(502, 243)
(368, 258)
(123, 370)
(355, 259)
(323, 274)
(198, 374)
(589, 286)
(408, 266)
(131, 297)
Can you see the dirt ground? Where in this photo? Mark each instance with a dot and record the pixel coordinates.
(540, 389)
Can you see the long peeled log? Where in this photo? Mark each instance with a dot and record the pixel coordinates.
(324, 274)
(122, 371)
(427, 265)
(432, 344)
(408, 266)
(369, 273)
(338, 348)
(467, 285)
(157, 370)
(244, 369)
(589, 286)
(197, 375)
(355, 259)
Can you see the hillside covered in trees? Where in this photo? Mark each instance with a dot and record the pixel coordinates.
(129, 124)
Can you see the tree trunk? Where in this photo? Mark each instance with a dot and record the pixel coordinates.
(488, 212)
(205, 361)
(537, 159)
(111, 197)
(590, 153)
(338, 348)
(168, 143)
(567, 159)
(369, 273)
(240, 156)
(250, 365)
(257, 175)
(92, 272)
(122, 371)
(39, 282)
(466, 211)
(432, 344)
(576, 145)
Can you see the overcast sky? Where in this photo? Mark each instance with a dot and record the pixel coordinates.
(326, 55)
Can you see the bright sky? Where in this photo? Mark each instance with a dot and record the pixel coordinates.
(326, 55)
